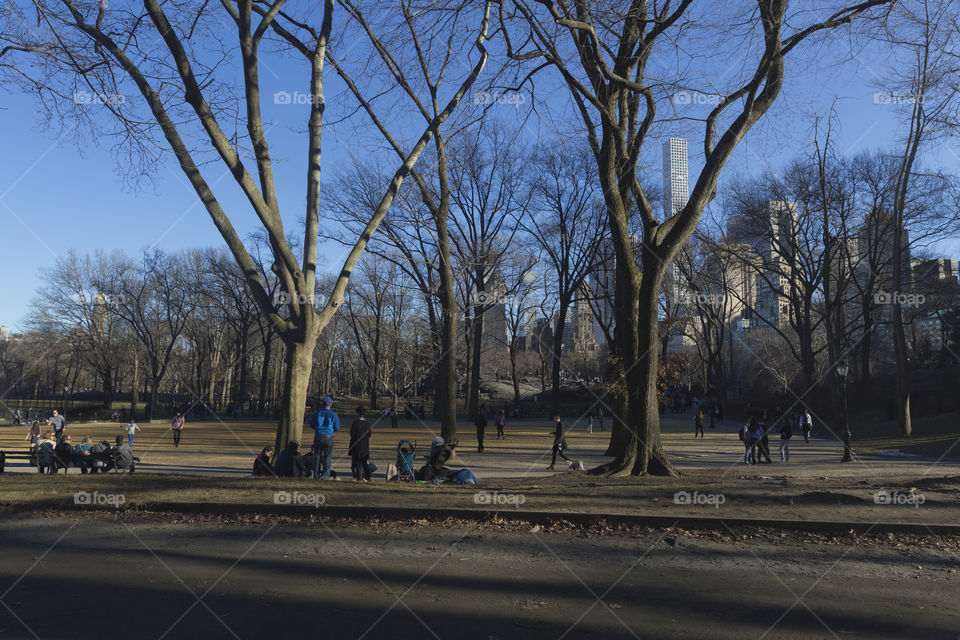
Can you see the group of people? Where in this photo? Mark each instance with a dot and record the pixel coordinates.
(756, 439)
(318, 462)
(53, 453)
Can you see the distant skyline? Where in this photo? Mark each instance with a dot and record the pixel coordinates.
(54, 196)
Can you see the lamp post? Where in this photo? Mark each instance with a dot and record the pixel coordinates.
(842, 369)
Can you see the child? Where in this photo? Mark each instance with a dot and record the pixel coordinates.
(131, 428)
(559, 444)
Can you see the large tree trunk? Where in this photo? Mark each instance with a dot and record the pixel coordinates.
(513, 371)
(293, 397)
(447, 367)
(903, 372)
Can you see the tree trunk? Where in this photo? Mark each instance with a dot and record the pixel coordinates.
(513, 371)
(903, 373)
(293, 397)
(106, 378)
(476, 348)
(264, 371)
(556, 362)
(447, 367)
(134, 387)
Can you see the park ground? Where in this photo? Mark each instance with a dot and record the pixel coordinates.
(199, 549)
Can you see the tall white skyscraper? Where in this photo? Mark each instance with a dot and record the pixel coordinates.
(676, 186)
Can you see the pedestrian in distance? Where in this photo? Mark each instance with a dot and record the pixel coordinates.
(600, 418)
(177, 427)
(359, 448)
(480, 422)
(393, 419)
(590, 421)
(325, 424)
(131, 430)
(763, 444)
(806, 425)
(59, 423)
(501, 423)
(17, 421)
(698, 424)
(559, 443)
(786, 432)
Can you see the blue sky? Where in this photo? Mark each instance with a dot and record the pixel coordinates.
(53, 196)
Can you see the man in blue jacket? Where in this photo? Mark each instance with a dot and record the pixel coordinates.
(325, 423)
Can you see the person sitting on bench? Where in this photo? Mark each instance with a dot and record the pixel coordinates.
(45, 456)
(123, 455)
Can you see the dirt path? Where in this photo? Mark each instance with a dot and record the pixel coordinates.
(95, 576)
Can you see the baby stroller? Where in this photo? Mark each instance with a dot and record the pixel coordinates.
(406, 453)
(440, 453)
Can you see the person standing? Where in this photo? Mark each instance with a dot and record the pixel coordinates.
(360, 447)
(590, 421)
(806, 425)
(559, 443)
(480, 422)
(325, 423)
(16, 417)
(393, 419)
(501, 423)
(698, 424)
(132, 429)
(58, 422)
(177, 427)
(786, 432)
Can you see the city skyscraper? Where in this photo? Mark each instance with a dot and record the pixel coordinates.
(676, 185)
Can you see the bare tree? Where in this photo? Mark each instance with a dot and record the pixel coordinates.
(601, 52)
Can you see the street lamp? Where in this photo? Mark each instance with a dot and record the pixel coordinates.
(842, 369)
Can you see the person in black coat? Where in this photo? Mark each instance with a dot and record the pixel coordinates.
(559, 443)
(360, 447)
(290, 463)
(481, 424)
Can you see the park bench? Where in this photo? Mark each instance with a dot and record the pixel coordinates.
(28, 455)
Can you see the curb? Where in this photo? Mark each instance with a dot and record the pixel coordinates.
(539, 517)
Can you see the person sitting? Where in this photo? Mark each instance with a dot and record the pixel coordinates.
(45, 455)
(290, 463)
(101, 458)
(123, 455)
(261, 464)
(64, 455)
(82, 452)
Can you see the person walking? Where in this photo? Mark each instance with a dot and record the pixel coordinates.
(480, 422)
(34, 434)
(786, 432)
(698, 424)
(16, 418)
(806, 425)
(131, 429)
(754, 433)
(177, 427)
(359, 448)
(590, 421)
(501, 423)
(559, 443)
(325, 423)
(59, 423)
(763, 444)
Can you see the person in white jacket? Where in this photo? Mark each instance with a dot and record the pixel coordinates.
(131, 428)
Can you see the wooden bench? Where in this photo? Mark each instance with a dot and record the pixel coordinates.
(28, 455)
